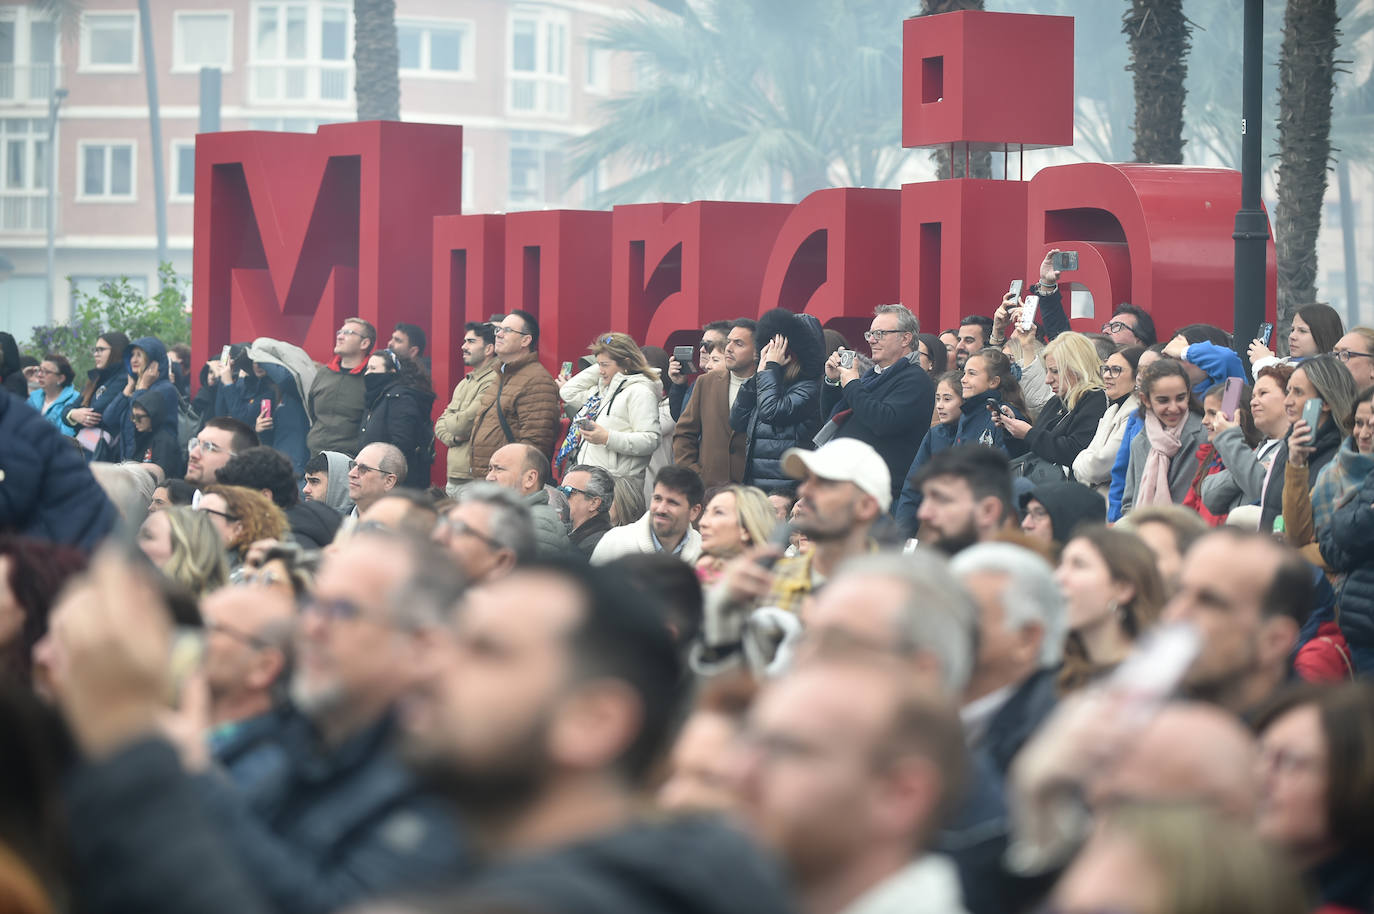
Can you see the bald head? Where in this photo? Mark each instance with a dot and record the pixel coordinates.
(1190, 751)
(521, 467)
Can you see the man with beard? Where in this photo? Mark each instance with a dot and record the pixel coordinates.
(1248, 595)
(222, 439)
(666, 527)
(453, 429)
(558, 695)
(965, 497)
(341, 819)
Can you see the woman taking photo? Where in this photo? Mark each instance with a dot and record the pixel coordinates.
(616, 424)
(736, 518)
(942, 435)
(1310, 497)
(1093, 467)
(1241, 481)
(103, 383)
(398, 400)
(1209, 461)
(1112, 594)
(1316, 803)
(988, 384)
(1069, 420)
(55, 395)
(780, 407)
(185, 546)
(1164, 455)
(1316, 330)
(1307, 451)
(269, 397)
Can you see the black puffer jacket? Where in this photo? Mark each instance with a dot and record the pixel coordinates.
(1060, 434)
(399, 415)
(776, 414)
(1328, 442)
(1347, 545)
(10, 370)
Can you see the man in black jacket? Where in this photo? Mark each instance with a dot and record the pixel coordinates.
(313, 523)
(559, 694)
(891, 405)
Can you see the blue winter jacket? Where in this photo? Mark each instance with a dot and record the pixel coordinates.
(1218, 362)
(119, 411)
(939, 438)
(69, 397)
(46, 489)
(243, 400)
(1117, 490)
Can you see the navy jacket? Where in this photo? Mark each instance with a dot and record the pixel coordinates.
(157, 445)
(399, 415)
(1328, 442)
(118, 412)
(775, 415)
(891, 412)
(976, 425)
(46, 489)
(1019, 717)
(243, 401)
(1347, 546)
(939, 438)
(328, 829)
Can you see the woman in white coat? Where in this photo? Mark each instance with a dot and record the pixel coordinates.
(1093, 465)
(616, 424)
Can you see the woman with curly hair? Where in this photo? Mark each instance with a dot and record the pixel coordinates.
(399, 399)
(241, 516)
(185, 546)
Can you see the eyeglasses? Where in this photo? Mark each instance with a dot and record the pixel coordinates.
(333, 609)
(364, 469)
(348, 331)
(99, 349)
(451, 526)
(1118, 326)
(208, 447)
(874, 335)
(570, 491)
(504, 330)
(252, 641)
(1111, 371)
(1345, 355)
(231, 518)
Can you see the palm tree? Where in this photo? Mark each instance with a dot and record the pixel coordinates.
(1307, 70)
(376, 60)
(978, 161)
(1160, 36)
(736, 95)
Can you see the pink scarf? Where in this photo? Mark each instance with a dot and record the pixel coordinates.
(1164, 444)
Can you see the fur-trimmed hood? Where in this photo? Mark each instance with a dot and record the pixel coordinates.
(804, 339)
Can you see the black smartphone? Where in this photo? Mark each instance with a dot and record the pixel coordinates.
(1064, 260)
(684, 354)
(1266, 333)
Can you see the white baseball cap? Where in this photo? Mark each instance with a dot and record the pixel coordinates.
(844, 460)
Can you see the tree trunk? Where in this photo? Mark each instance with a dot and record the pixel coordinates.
(1307, 69)
(1159, 37)
(376, 58)
(980, 160)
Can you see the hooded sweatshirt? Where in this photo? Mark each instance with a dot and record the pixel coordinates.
(692, 865)
(336, 494)
(119, 407)
(157, 445)
(1069, 504)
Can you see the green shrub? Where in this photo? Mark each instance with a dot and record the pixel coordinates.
(116, 306)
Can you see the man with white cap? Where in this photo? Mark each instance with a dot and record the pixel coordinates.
(843, 487)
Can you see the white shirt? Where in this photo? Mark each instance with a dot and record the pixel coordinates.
(928, 886)
(736, 382)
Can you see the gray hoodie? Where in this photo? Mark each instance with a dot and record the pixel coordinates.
(336, 496)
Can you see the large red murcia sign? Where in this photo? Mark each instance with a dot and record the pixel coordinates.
(295, 232)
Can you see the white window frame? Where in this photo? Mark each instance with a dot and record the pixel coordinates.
(548, 85)
(592, 51)
(81, 196)
(467, 53)
(313, 63)
(21, 78)
(179, 64)
(85, 65)
(174, 194)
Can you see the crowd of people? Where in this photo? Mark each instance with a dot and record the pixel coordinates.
(1004, 618)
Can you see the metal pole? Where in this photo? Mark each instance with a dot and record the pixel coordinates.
(210, 81)
(154, 132)
(54, 102)
(1352, 263)
(1252, 227)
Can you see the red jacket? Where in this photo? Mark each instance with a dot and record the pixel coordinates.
(1326, 658)
(1209, 462)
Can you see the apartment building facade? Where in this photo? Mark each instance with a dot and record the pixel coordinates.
(521, 76)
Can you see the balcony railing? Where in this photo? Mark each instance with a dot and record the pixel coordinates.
(24, 211)
(26, 82)
(539, 95)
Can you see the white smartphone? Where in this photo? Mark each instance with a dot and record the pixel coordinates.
(1028, 309)
(1155, 668)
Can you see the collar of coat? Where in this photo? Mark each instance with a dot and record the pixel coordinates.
(515, 365)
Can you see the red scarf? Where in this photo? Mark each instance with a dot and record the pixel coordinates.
(337, 365)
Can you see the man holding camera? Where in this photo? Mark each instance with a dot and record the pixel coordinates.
(890, 405)
(682, 383)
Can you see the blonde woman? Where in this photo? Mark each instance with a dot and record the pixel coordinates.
(616, 423)
(1069, 420)
(736, 518)
(186, 547)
